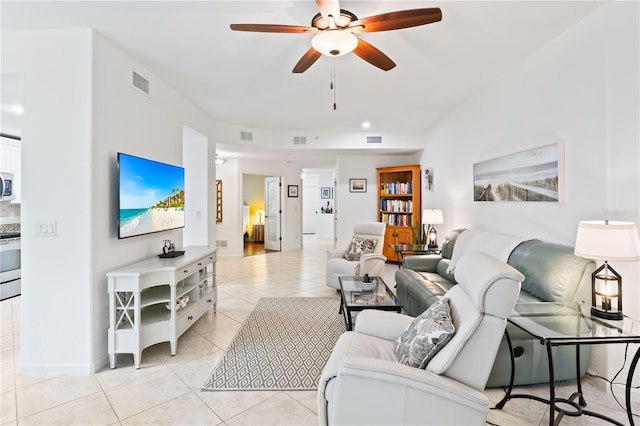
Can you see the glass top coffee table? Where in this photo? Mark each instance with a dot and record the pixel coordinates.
(358, 296)
(558, 324)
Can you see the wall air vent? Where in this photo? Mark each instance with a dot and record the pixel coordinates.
(374, 139)
(299, 140)
(246, 136)
(221, 243)
(140, 83)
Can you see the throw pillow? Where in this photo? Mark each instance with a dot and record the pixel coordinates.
(358, 247)
(426, 335)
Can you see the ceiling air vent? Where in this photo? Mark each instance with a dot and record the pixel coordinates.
(140, 83)
(299, 140)
(246, 136)
(374, 139)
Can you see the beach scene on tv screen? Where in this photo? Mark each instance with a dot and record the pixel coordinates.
(151, 196)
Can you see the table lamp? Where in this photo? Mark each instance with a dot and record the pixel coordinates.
(432, 217)
(609, 241)
(260, 214)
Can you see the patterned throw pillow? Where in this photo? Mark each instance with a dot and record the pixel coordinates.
(425, 336)
(358, 247)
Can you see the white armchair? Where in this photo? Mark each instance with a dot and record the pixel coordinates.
(370, 263)
(363, 384)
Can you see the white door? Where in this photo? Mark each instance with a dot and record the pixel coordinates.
(272, 213)
(310, 209)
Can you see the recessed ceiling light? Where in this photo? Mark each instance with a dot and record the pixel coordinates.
(366, 125)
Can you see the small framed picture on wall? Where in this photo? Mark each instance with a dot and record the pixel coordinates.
(325, 192)
(357, 185)
(293, 191)
(428, 179)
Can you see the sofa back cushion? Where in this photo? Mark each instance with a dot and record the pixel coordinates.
(449, 242)
(552, 272)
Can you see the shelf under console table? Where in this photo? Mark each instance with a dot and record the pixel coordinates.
(156, 300)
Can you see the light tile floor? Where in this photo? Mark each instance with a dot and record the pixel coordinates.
(166, 389)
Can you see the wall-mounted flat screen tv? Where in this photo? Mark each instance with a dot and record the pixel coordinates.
(151, 196)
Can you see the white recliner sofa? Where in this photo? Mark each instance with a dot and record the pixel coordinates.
(363, 384)
(370, 263)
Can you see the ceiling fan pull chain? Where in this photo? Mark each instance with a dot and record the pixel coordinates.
(333, 81)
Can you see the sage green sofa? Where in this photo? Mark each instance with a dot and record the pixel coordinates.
(552, 274)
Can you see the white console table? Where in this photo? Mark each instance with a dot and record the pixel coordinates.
(158, 299)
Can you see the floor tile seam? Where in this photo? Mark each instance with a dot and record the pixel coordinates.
(156, 405)
(18, 417)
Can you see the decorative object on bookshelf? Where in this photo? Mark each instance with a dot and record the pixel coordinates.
(292, 191)
(399, 205)
(357, 185)
(169, 250)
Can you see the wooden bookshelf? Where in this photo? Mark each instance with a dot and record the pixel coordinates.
(399, 204)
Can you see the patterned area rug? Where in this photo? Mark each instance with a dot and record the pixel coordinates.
(282, 345)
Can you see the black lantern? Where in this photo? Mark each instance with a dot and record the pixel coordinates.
(609, 241)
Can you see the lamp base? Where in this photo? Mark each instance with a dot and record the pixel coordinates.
(614, 316)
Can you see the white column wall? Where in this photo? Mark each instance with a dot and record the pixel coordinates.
(56, 187)
(79, 113)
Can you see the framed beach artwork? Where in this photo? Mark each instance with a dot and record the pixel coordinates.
(533, 175)
(357, 185)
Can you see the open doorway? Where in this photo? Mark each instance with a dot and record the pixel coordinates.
(260, 214)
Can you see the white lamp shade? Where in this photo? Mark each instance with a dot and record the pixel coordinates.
(432, 217)
(608, 240)
(334, 42)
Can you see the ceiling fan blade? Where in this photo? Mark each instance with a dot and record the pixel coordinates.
(373, 55)
(397, 20)
(329, 8)
(307, 60)
(269, 28)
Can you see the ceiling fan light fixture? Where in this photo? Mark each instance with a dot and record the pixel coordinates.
(334, 42)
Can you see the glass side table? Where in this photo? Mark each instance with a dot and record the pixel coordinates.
(558, 324)
(403, 249)
(357, 296)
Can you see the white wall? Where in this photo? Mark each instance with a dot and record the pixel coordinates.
(78, 115)
(352, 207)
(581, 89)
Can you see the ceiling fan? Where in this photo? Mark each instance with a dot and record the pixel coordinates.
(335, 31)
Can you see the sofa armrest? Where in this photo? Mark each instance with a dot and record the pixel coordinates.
(333, 253)
(422, 262)
(364, 385)
(383, 324)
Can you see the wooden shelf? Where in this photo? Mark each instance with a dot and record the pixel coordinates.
(399, 204)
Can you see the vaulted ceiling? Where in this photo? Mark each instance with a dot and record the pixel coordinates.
(245, 78)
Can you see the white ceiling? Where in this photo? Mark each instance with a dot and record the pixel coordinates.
(245, 78)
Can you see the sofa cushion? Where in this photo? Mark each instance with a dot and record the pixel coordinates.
(426, 335)
(449, 243)
(552, 272)
(358, 247)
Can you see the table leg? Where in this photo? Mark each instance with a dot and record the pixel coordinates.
(552, 387)
(507, 395)
(627, 392)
